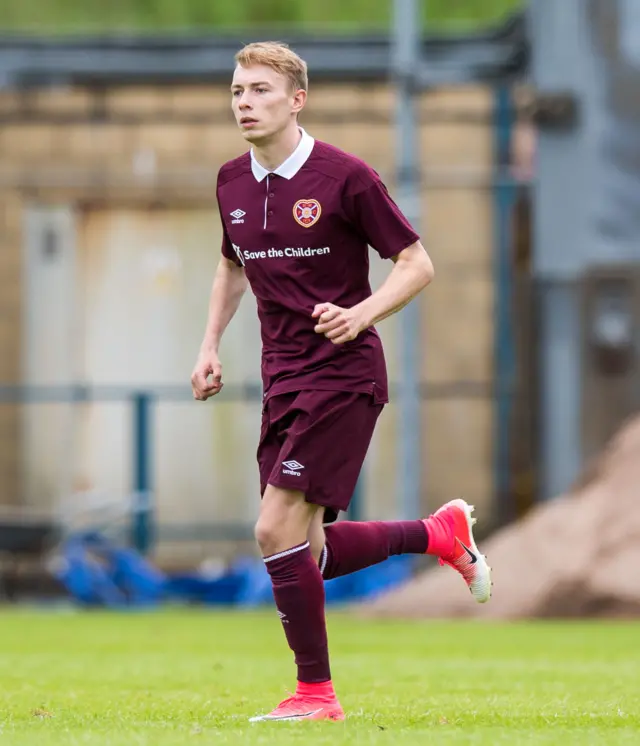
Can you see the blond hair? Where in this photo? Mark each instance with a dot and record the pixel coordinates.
(279, 57)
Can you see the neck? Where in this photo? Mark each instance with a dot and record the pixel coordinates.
(275, 152)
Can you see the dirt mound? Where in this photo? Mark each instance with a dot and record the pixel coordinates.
(578, 555)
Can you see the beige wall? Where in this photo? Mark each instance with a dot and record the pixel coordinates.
(171, 158)
(10, 317)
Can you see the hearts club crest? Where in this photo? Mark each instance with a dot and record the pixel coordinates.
(306, 212)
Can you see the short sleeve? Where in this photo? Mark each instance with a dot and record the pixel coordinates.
(374, 214)
(228, 250)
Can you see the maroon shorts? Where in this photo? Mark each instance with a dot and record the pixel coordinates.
(316, 442)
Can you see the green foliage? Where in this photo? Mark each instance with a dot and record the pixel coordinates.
(62, 16)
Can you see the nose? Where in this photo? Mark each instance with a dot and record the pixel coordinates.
(244, 103)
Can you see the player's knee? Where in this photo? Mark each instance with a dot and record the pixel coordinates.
(278, 530)
(266, 533)
(284, 520)
(275, 534)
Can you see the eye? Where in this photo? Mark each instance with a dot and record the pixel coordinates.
(236, 93)
(261, 90)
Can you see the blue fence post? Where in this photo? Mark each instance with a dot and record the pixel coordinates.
(504, 357)
(141, 528)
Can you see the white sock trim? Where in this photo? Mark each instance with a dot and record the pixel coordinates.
(287, 552)
(323, 559)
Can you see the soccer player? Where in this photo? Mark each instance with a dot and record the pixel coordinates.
(298, 216)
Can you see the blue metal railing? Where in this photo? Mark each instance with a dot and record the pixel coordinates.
(141, 530)
(143, 403)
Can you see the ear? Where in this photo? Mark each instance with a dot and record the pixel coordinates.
(299, 100)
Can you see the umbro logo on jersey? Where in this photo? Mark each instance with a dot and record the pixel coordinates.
(238, 216)
(293, 468)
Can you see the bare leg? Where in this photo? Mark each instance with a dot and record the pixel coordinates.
(298, 589)
(316, 535)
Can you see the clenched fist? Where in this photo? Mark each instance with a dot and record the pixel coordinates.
(339, 325)
(208, 365)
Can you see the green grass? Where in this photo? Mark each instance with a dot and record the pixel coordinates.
(60, 16)
(185, 677)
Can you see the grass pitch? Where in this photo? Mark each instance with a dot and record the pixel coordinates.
(194, 677)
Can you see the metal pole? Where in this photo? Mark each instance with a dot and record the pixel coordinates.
(566, 173)
(406, 64)
(141, 519)
(561, 387)
(504, 355)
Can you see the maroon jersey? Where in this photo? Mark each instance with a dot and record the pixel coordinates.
(302, 234)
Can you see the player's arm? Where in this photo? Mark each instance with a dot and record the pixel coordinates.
(373, 213)
(411, 273)
(229, 285)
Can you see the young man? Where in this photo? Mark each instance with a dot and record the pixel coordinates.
(298, 216)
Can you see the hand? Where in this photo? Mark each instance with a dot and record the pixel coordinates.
(207, 365)
(339, 325)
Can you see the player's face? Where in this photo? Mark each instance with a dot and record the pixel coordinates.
(263, 102)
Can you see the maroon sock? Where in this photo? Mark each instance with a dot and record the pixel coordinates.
(354, 545)
(298, 591)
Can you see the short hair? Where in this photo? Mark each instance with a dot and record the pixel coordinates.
(279, 57)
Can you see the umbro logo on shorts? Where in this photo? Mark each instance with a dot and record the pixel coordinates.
(292, 467)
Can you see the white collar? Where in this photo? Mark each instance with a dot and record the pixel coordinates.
(292, 165)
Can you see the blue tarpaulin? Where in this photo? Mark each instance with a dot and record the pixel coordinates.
(97, 572)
